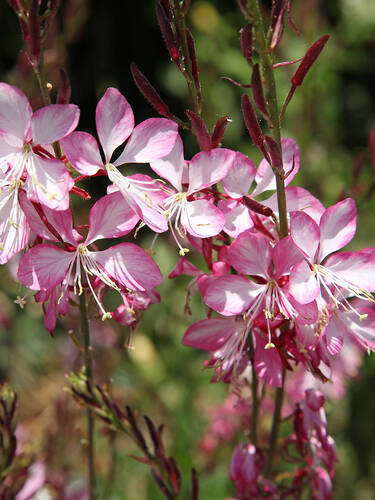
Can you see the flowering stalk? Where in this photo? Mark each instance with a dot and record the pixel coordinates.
(271, 100)
(85, 332)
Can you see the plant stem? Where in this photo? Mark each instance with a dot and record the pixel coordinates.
(272, 106)
(85, 332)
(254, 395)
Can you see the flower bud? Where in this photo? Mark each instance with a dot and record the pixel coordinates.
(274, 152)
(251, 121)
(167, 32)
(193, 57)
(257, 89)
(149, 92)
(219, 131)
(256, 207)
(34, 30)
(200, 131)
(247, 42)
(63, 95)
(309, 59)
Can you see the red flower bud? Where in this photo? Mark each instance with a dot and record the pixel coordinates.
(200, 131)
(149, 92)
(256, 207)
(274, 152)
(34, 30)
(194, 485)
(309, 59)
(278, 7)
(65, 90)
(257, 89)
(168, 34)
(251, 121)
(193, 57)
(167, 9)
(247, 42)
(219, 131)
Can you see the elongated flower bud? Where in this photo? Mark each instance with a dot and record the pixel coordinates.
(251, 121)
(34, 30)
(309, 59)
(200, 131)
(167, 9)
(247, 42)
(193, 57)
(274, 152)
(149, 92)
(257, 89)
(256, 207)
(167, 32)
(219, 131)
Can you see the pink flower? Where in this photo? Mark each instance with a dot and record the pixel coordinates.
(147, 142)
(185, 212)
(125, 265)
(25, 153)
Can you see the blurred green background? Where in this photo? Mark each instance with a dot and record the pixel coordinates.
(330, 118)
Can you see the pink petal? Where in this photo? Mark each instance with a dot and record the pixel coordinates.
(15, 114)
(61, 220)
(267, 363)
(114, 121)
(111, 217)
(172, 166)
(151, 140)
(237, 217)
(298, 198)
(210, 334)
(130, 266)
(250, 254)
(202, 219)
(231, 295)
(184, 266)
(240, 177)
(337, 227)
(83, 153)
(52, 123)
(303, 284)
(48, 182)
(305, 233)
(14, 229)
(44, 266)
(307, 336)
(208, 167)
(334, 337)
(285, 255)
(361, 329)
(358, 268)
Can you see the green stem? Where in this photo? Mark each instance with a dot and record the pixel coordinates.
(85, 332)
(272, 106)
(254, 395)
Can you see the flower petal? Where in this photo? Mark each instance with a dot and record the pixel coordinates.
(202, 219)
(285, 255)
(14, 229)
(61, 220)
(53, 122)
(114, 121)
(151, 140)
(240, 177)
(111, 217)
(172, 166)
(337, 227)
(130, 266)
(250, 254)
(305, 233)
(48, 182)
(237, 217)
(231, 295)
(44, 266)
(357, 268)
(298, 198)
(15, 114)
(267, 363)
(83, 153)
(208, 167)
(303, 284)
(209, 334)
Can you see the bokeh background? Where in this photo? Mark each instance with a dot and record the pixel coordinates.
(330, 117)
